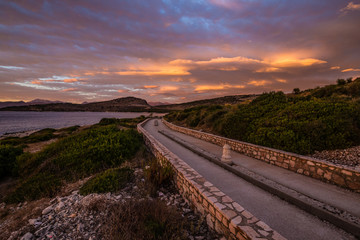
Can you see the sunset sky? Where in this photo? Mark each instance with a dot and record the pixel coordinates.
(173, 50)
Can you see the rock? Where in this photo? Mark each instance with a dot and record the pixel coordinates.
(59, 206)
(47, 210)
(27, 236)
(32, 221)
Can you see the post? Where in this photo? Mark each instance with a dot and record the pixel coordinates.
(226, 158)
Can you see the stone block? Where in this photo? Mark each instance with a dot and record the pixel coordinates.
(238, 207)
(249, 231)
(338, 179)
(229, 214)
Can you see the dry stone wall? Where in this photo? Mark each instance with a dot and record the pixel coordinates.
(342, 176)
(222, 214)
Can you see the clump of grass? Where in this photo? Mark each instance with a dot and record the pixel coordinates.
(147, 219)
(158, 174)
(111, 180)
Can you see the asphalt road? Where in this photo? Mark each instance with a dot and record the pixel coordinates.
(288, 220)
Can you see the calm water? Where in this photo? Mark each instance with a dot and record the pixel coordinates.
(12, 122)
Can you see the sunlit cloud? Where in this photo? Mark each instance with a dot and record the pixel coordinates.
(202, 88)
(351, 70)
(37, 82)
(69, 89)
(350, 7)
(150, 86)
(258, 83)
(335, 68)
(280, 80)
(287, 63)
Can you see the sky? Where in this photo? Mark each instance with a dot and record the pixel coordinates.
(173, 50)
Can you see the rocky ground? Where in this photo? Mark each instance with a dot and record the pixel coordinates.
(73, 216)
(345, 157)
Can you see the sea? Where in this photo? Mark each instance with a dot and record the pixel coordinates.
(16, 122)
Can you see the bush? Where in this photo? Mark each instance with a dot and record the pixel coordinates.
(111, 180)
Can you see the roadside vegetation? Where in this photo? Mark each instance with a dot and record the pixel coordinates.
(75, 155)
(302, 122)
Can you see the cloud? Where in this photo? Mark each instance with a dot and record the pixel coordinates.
(335, 68)
(203, 88)
(258, 83)
(351, 7)
(69, 89)
(351, 70)
(37, 82)
(150, 86)
(11, 67)
(292, 62)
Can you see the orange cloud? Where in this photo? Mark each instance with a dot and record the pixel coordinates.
(70, 80)
(281, 80)
(69, 89)
(121, 91)
(201, 88)
(335, 68)
(293, 62)
(258, 83)
(350, 7)
(150, 86)
(351, 70)
(37, 82)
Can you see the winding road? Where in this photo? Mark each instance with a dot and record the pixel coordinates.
(287, 219)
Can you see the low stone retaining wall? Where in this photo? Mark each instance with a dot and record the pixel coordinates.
(327, 172)
(222, 214)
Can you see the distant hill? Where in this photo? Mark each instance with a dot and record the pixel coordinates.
(127, 104)
(22, 103)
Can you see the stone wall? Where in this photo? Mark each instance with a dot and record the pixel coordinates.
(342, 176)
(222, 214)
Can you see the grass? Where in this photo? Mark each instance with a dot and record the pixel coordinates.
(111, 180)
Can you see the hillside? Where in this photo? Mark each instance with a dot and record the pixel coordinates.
(317, 119)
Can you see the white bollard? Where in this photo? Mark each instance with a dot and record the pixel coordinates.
(226, 158)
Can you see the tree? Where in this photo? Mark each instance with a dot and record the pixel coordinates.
(349, 80)
(296, 90)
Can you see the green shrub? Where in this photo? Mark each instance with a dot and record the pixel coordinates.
(111, 180)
